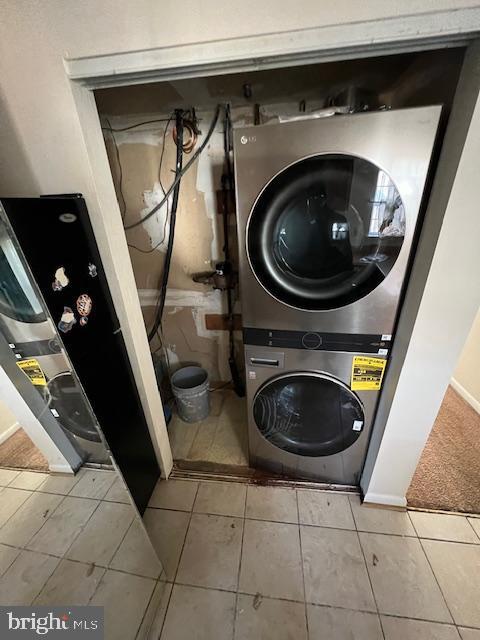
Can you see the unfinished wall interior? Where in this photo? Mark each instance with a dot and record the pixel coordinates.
(142, 159)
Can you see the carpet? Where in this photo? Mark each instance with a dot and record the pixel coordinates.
(19, 452)
(448, 474)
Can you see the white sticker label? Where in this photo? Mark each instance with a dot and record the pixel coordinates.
(357, 425)
(18, 356)
(382, 352)
(252, 375)
(55, 413)
(386, 336)
(11, 345)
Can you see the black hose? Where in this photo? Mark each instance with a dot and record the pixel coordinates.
(171, 233)
(179, 175)
(227, 189)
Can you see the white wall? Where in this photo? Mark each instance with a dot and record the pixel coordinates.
(466, 378)
(43, 147)
(448, 302)
(8, 423)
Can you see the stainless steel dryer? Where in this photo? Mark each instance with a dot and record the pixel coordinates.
(326, 211)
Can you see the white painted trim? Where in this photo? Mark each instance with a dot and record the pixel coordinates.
(302, 46)
(110, 235)
(466, 395)
(60, 468)
(385, 499)
(9, 432)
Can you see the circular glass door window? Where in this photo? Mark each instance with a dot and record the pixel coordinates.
(325, 232)
(308, 414)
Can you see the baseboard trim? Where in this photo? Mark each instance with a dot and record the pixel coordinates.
(60, 468)
(9, 432)
(472, 401)
(385, 499)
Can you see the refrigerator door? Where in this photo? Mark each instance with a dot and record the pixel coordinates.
(35, 347)
(58, 243)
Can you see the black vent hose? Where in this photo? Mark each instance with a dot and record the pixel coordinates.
(228, 188)
(171, 232)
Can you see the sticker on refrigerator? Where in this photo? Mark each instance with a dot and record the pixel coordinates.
(367, 373)
(84, 306)
(32, 369)
(67, 320)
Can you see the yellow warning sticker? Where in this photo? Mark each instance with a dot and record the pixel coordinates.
(32, 369)
(367, 373)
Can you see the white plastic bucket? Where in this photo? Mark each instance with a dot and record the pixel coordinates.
(190, 388)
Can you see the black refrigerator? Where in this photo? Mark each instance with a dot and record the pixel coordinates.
(57, 241)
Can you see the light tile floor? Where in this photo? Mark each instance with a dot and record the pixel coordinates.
(272, 563)
(243, 562)
(78, 541)
(220, 439)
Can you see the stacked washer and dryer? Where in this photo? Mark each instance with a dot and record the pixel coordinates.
(327, 212)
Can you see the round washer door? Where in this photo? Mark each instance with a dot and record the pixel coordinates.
(309, 414)
(72, 406)
(325, 231)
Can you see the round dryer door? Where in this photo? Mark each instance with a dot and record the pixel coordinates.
(325, 232)
(309, 414)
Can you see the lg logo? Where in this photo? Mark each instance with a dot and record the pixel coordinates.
(245, 139)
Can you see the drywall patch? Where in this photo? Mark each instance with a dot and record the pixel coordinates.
(209, 177)
(158, 225)
(211, 301)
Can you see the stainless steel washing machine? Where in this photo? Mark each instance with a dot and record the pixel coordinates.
(304, 419)
(327, 211)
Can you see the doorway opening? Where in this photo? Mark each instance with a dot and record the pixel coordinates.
(199, 325)
(17, 450)
(447, 477)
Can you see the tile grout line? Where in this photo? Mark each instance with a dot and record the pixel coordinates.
(81, 528)
(25, 546)
(43, 585)
(302, 565)
(157, 580)
(11, 563)
(148, 629)
(155, 583)
(319, 605)
(63, 556)
(366, 569)
(179, 560)
(436, 580)
(99, 566)
(474, 530)
(235, 610)
(17, 509)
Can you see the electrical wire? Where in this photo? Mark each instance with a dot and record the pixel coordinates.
(160, 164)
(123, 209)
(133, 126)
(188, 146)
(162, 153)
(171, 235)
(180, 174)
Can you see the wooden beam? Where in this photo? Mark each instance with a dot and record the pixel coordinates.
(218, 322)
